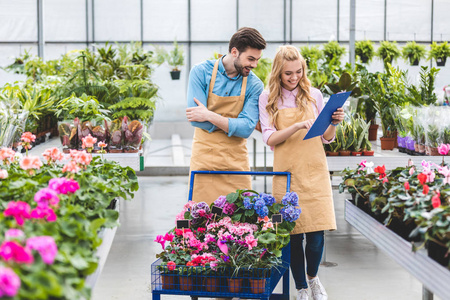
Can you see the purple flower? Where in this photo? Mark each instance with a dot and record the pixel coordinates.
(220, 202)
(290, 213)
(263, 211)
(248, 203)
(248, 194)
(229, 208)
(13, 233)
(46, 247)
(268, 199)
(225, 258)
(200, 210)
(9, 282)
(291, 198)
(259, 203)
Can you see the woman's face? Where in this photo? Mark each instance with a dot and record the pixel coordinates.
(291, 74)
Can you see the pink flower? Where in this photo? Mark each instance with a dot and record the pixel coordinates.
(169, 237)
(9, 282)
(14, 233)
(12, 250)
(102, 144)
(268, 225)
(362, 164)
(83, 158)
(407, 187)
(223, 247)
(446, 172)
(171, 265)
(410, 163)
(411, 171)
(443, 149)
(7, 155)
(44, 212)
(30, 162)
(436, 200)
(251, 241)
(385, 179)
(426, 189)
(3, 174)
(160, 239)
(71, 167)
(28, 137)
(52, 155)
(19, 210)
(89, 141)
(46, 196)
(46, 247)
(63, 185)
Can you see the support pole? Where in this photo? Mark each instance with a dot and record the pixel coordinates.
(352, 32)
(40, 31)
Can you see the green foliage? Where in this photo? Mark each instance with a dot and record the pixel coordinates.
(345, 135)
(312, 55)
(364, 50)
(437, 51)
(361, 131)
(333, 52)
(413, 52)
(388, 52)
(263, 70)
(86, 108)
(344, 84)
(424, 94)
(174, 57)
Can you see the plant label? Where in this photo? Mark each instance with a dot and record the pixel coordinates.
(278, 218)
(217, 210)
(183, 224)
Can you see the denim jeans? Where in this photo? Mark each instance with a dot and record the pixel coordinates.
(313, 251)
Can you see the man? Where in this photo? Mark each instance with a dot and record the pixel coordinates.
(223, 106)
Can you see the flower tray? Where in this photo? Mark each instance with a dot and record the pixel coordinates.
(433, 276)
(203, 282)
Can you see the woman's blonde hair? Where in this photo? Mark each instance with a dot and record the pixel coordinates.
(303, 98)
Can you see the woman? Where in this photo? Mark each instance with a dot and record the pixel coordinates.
(287, 110)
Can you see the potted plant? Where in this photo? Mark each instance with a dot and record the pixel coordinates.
(311, 54)
(345, 83)
(361, 130)
(439, 52)
(333, 52)
(345, 135)
(432, 140)
(413, 52)
(366, 104)
(364, 50)
(174, 58)
(388, 52)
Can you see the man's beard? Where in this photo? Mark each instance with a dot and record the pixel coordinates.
(239, 68)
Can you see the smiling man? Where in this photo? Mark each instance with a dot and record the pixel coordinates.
(223, 106)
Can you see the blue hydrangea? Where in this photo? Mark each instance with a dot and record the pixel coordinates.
(290, 213)
(259, 203)
(263, 211)
(268, 199)
(248, 204)
(291, 198)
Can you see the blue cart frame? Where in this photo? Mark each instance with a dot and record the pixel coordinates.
(286, 252)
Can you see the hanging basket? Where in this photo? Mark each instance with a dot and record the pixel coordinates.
(440, 61)
(175, 75)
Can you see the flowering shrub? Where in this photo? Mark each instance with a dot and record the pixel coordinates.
(50, 215)
(243, 237)
(413, 201)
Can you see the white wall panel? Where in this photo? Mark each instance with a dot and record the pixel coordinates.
(117, 20)
(314, 20)
(408, 20)
(441, 30)
(18, 20)
(266, 16)
(65, 20)
(213, 20)
(159, 25)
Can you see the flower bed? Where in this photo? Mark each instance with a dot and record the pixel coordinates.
(412, 201)
(240, 246)
(50, 218)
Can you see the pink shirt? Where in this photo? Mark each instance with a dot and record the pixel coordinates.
(288, 102)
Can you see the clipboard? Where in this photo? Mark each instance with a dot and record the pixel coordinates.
(325, 117)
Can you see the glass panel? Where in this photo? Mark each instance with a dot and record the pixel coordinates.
(213, 22)
(65, 20)
(162, 26)
(18, 20)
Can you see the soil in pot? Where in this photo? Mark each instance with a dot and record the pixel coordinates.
(387, 143)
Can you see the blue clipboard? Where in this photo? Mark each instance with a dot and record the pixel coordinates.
(325, 117)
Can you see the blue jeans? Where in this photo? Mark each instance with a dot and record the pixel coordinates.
(313, 251)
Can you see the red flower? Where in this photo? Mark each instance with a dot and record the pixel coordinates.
(201, 229)
(381, 171)
(436, 200)
(190, 264)
(422, 178)
(426, 189)
(407, 185)
(171, 265)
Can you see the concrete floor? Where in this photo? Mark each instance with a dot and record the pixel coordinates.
(362, 273)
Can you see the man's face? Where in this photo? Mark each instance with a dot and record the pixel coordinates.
(247, 60)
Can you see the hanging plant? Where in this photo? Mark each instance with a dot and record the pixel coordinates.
(413, 53)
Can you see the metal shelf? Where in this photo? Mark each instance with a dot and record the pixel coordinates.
(433, 276)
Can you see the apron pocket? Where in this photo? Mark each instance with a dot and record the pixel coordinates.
(318, 179)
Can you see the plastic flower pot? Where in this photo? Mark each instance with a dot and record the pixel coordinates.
(212, 284)
(333, 153)
(168, 282)
(387, 143)
(234, 285)
(257, 286)
(344, 153)
(373, 132)
(356, 153)
(368, 153)
(186, 283)
(441, 61)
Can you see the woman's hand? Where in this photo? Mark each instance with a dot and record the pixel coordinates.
(338, 116)
(306, 124)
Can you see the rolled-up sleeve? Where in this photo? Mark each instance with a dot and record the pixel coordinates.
(266, 128)
(245, 123)
(197, 88)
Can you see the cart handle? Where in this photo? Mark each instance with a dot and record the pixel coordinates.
(191, 185)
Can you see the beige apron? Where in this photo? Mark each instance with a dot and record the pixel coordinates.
(310, 179)
(216, 151)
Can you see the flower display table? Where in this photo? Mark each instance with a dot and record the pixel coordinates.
(434, 277)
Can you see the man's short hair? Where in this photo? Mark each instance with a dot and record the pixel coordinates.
(247, 37)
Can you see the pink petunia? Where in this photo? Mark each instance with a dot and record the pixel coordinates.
(9, 282)
(45, 246)
(46, 196)
(13, 251)
(44, 212)
(19, 210)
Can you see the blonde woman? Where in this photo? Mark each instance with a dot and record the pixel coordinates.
(287, 110)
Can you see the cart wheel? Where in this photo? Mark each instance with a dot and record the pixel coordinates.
(194, 298)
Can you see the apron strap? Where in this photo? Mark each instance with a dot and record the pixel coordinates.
(213, 77)
(243, 88)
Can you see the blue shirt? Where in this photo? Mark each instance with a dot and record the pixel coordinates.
(198, 87)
